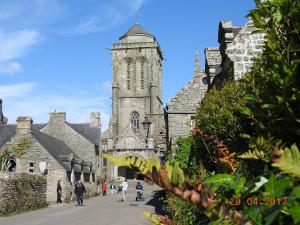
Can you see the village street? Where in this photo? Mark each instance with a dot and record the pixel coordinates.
(107, 210)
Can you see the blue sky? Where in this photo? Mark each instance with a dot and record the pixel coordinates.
(53, 53)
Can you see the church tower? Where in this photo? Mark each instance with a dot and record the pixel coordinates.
(136, 122)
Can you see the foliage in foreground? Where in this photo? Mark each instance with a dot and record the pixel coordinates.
(249, 133)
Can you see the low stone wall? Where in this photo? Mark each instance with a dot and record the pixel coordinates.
(22, 192)
(91, 191)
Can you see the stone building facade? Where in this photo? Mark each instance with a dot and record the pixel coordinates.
(182, 108)
(238, 46)
(3, 119)
(136, 123)
(53, 150)
(230, 61)
(83, 138)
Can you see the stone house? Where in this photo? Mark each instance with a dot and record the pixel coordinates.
(83, 139)
(35, 152)
(182, 108)
(58, 149)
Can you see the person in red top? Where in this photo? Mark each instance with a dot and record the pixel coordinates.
(104, 187)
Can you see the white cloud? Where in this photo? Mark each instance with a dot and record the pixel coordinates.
(15, 44)
(11, 68)
(78, 109)
(30, 13)
(16, 90)
(106, 16)
(21, 99)
(105, 86)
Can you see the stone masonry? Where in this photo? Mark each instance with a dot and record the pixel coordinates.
(3, 119)
(231, 60)
(136, 95)
(35, 154)
(238, 46)
(21, 192)
(59, 128)
(182, 108)
(61, 162)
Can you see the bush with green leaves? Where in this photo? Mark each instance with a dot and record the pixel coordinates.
(258, 118)
(185, 155)
(274, 81)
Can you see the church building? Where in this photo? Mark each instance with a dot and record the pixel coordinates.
(136, 125)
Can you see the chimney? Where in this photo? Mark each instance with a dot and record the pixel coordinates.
(57, 117)
(24, 125)
(95, 120)
(1, 112)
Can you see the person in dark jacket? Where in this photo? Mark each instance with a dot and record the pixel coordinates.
(58, 192)
(139, 190)
(79, 190)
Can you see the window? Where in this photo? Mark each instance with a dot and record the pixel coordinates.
(142, 75)
(31, 167)
(193, 122)
(128, 76)
(134, 120)
(10, 165)
(104, 162)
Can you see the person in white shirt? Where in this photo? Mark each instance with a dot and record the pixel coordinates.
(124, 189)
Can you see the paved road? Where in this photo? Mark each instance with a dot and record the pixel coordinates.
(107, 210)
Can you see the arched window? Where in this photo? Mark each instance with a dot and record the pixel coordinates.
(142, 75)
(135, 120)
(10, 165)
(128, 75)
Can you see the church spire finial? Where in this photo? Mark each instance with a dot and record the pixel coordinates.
(197, 64)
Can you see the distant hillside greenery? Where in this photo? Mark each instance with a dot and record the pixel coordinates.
(242, 164)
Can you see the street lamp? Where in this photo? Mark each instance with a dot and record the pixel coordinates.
(146, 124)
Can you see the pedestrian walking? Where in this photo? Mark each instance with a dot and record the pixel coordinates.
(124, 186)
(104, 187)
(112, 189)
(79, 190)
(58, 192)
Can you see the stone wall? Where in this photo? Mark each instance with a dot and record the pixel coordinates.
(185, 101)
(58, 128)
(233, 58)
(34, 155)
(21, 192)
(243, 48)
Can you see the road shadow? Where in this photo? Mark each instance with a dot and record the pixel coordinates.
(157, 201)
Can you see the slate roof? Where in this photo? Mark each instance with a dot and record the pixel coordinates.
(136, 29)
(55, 147)
(8, 130)
(92, 134)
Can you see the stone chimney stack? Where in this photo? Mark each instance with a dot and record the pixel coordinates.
(57, 117)
(95, 120)
(3, 119)
(1, 112)
(24, 125)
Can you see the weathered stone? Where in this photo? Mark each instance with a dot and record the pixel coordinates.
(21, 192)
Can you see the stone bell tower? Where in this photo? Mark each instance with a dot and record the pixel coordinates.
(136, 121)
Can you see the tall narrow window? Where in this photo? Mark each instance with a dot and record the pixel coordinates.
(142, 76)
(135, 120)
(128, 76)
